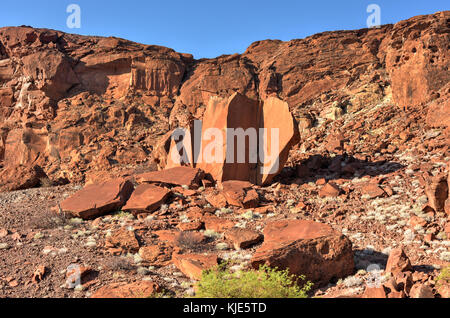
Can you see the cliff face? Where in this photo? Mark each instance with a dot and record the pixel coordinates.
(78, 105)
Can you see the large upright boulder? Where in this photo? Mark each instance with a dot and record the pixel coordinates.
(238, 139)
(276, 118)
(220, 157)
(306, 248)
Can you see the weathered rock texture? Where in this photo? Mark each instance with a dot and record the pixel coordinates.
(85, 107)
(306, 248)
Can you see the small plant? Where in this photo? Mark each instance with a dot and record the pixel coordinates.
(118, 263)
(48, 221)
(444, 276)
(45, 182)
(187, 240)
(221, 282)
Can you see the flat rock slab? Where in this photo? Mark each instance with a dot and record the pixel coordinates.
(187, 176)
(146, 198)
(98, 199)
(192, 265)
(243, 238)
(240, 193)
(306, 248)
(217, 224)
(142, 289)
(123, 239)
(329, 190)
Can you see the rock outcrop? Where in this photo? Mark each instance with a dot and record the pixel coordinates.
(83, 107)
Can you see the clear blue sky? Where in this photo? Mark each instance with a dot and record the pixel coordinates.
(210, 28)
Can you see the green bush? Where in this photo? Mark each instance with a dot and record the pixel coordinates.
(266, 282)
(444, 276)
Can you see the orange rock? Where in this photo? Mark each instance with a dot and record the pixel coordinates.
(240, 193)
(415, 220)
(216, 200)
(329, 190)
(306, 248)
(398, 262)
(217, 224)
(20, 177)
(146, 198)
(142, 289)
(420, 290)
(372, 191)
(190, 226)
(243, 238)
(237, 111)
(437, 191)
(98, 199)
(192, 265)
(38, 274)
(124, 239)
(375, 292)
(276, 115)
(150, 253)
(176, 176)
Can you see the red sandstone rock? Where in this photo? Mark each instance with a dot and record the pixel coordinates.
(124, 239)
(276, 115)
(217, 224)
(142, 289)
(437, 191)
(98, 199)
(375, 292)
(243, 238)
(420, 290)
(192, 265)
(240, 193)
(306, 248)
(398, 262)
(329, 190)
(372, 191)
(21, 177)
(146, 198)
(176, 176)
(150, 253)
(55, 103)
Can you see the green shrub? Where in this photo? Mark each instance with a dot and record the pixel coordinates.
(266, 282)
(444, 276)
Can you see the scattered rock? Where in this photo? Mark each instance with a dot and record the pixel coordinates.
(144, 289)
(38, 274)
(192, 265)
(146, 198)
(186, 176)
(243, 238)
(306, 248)
(123, 239)
(329, 190)
(398, 262)
(98, 199)
(420, 290)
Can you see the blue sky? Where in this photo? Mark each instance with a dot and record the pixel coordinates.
(210, 28)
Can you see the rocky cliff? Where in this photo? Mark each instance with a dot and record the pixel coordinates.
(78, 106)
